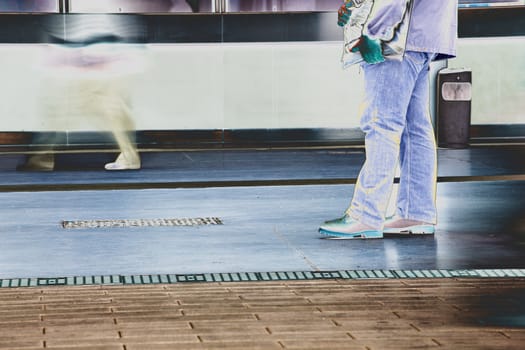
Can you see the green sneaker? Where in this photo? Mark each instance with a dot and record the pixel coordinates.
(348, 228)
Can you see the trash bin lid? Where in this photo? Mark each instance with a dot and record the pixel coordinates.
(454, 70)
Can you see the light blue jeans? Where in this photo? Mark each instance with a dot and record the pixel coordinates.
(397, 125)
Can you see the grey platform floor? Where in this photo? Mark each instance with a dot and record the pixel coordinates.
(265, 228)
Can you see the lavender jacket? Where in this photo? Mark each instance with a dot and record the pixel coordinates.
(403, 25)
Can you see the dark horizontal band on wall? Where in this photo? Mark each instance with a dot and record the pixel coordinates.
(491, 22)
(497, 133)
(209, 139)
(243, 27)
(173, 139)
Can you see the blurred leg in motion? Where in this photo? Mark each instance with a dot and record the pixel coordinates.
(107, 100)
(53, 122)
(122, 127)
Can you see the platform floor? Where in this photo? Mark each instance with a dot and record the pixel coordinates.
(267, 224)
(270, 204)
(481, 225)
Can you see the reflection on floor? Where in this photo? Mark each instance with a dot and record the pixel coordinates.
(264, 228)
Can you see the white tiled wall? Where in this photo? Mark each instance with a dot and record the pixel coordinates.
(498, 78)
(236, 86)
(205, 87)
(20, 86)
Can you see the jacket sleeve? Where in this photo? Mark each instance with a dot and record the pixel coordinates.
(385, 17)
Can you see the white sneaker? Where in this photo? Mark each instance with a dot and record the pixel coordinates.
(121, 163)
(400, 226)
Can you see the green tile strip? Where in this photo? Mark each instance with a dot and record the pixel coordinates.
(90, 224)
(258, 276)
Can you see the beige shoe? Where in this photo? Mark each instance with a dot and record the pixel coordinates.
(400, 226)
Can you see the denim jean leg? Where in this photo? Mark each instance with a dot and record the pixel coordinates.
(417, 189)
(388, 89)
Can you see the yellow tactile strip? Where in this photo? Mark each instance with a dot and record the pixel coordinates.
(322, 314)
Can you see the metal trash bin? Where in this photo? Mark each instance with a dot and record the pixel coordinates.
(454, 107)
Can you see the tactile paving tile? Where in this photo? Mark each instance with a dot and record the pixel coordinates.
(141, 222)
(260, 276)
(335, 314)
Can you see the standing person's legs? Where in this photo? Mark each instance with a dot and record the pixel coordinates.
(416, 203)
(388, 88)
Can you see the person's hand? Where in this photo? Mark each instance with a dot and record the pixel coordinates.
(343, 15)
(370, 50)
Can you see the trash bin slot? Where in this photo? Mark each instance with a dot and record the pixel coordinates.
(456, 91)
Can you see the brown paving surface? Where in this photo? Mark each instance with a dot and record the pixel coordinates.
(327, 314)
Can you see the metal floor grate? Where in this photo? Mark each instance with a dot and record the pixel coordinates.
(259, 276)
(141, 223)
